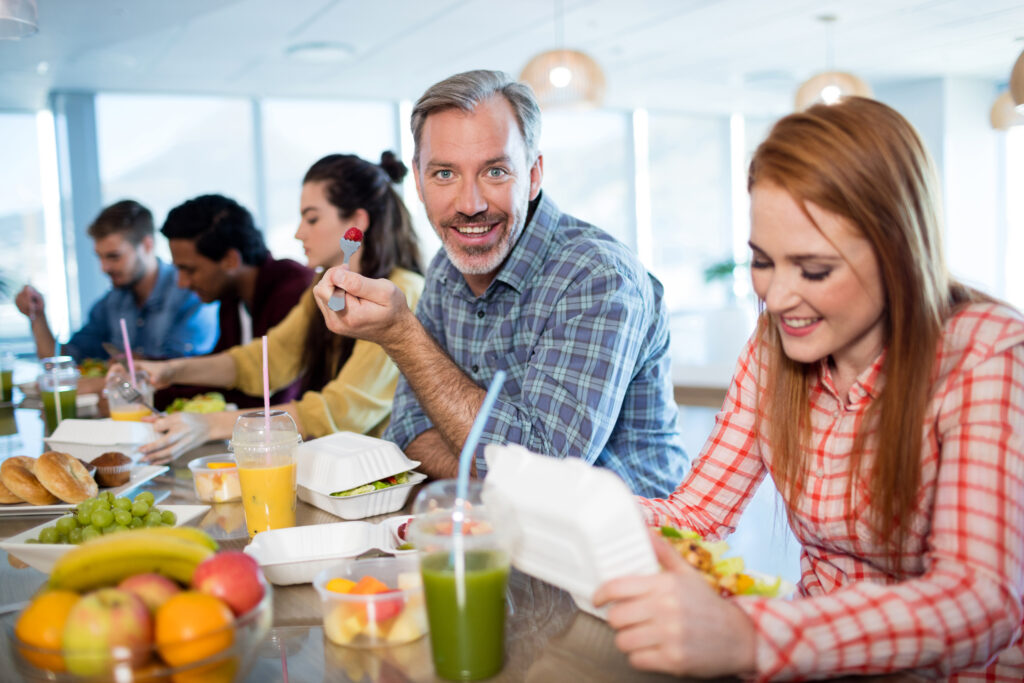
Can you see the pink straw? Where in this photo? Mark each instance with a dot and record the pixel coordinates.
(266, 391)
(128, 353)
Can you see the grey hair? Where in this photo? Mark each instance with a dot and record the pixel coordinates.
(466, 90)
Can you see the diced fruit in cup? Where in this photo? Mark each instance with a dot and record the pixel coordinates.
(340, 585)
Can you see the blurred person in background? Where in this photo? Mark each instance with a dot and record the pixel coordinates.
(163, 320)
(221, 256)
(569, 313)
(346, 384)
(886, 402)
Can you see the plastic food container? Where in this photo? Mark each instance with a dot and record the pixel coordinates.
(372, 620)
(343, 461)
(579, 525)
(216, 478)
(87, 439)
(298, 554)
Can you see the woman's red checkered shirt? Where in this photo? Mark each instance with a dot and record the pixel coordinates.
(960, 616)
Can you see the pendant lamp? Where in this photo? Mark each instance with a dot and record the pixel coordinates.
(1004, 114)
(18, 18)
(1017, 80)
(562, 77)
(829, 86)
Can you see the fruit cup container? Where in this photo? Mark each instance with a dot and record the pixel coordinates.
(215, 478)
(236, 646)
(376, 619)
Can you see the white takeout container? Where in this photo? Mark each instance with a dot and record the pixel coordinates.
(579, 525)
(379, 502)
(345, 460)
(297, 554)
(87, 439)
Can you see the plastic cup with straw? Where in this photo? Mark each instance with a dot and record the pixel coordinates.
(465, 550)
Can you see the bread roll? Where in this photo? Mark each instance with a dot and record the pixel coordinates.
(7, 496)
(65, 477)
(16, 474)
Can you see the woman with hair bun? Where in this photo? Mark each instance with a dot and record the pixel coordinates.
(347, 384)
(886, 402)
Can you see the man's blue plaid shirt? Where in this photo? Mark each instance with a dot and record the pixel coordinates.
(580, 328)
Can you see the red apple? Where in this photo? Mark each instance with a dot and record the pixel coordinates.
(106, 626)
(152, 588)
(232, 576)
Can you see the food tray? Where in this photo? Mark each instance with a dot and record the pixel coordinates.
(43, 556)
(88, 439)
(297, 554)
(379, 502)
(579, 525)
(344, 460)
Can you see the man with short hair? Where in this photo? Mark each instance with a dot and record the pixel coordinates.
(220, 255)
(570, 314)
(163, 320)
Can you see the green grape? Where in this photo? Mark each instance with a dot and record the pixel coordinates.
(31, 540)
(123, 517)
(123, 503)
(75, 535)
(62, 538)
(140, 508)
(100, 504)
(102, 518)
(168, 516)
(66, 524)
(108, 496)
(84, 516)
(88, 533)
(136, 523)
(154, 518)
(119, 527)
(49, 535)
(146, 496)
(109, 529)
(86, 505)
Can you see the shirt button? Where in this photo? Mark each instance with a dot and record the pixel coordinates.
(476, 369)
(480, 314)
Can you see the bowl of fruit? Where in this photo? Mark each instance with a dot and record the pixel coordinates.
(372, 602)
(149, 604)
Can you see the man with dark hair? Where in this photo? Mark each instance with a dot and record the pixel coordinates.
(220, 255)
(569, 314)
(164, 321)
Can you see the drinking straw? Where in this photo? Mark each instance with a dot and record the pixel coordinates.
(56, 396)
(266, 393)
(57, 350)
(128, 353)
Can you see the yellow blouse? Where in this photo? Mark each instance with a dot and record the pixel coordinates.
(357, 400)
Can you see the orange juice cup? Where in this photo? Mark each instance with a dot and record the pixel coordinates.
(266, 469)
(120, 408)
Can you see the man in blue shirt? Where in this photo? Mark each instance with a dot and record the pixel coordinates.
(567, 312)
(163, 320)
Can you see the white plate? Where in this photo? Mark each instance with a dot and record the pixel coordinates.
(43, 556)
(344, 460)
(297, 554)
(140, 475)
(579, 525)
(379, 502)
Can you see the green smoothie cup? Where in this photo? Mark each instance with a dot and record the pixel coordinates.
(58, 388)
(464, 581)
(6, 377)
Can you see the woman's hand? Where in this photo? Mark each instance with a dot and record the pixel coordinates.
(180, 432)
(160, 372)
(675, 622)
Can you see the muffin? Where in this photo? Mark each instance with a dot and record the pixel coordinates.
(112, 469)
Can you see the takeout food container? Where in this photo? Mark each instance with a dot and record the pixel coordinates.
(88, 439)
(579, 525)
(230, 664)
(216, 484)
(372, 620)
(297, 554)
(343, 461)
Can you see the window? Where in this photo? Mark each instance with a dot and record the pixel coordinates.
(163, 150)
(296, 133)
(23, 239)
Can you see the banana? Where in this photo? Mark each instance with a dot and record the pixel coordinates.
(186, 533)
(107, 560)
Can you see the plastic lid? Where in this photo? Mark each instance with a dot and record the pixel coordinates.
(250, 430)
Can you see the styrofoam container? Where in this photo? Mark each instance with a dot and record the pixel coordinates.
(296, 554)
(379, 502)
(344, 460)
(87, 439)
(579, 525)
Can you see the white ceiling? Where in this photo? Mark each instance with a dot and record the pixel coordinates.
(704, 55)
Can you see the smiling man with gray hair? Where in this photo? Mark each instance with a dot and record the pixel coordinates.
(570, 314)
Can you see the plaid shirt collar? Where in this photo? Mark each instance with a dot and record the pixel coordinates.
(526, 258)
(868, 385)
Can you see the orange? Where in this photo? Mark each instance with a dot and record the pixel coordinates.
(41, 625)
(220, 465)
(339, 585)
(368, 585)
(191, 626)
